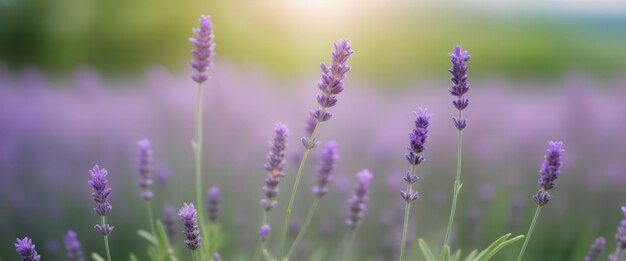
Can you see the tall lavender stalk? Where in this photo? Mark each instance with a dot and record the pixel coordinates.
(144, 167)
(548, 173)
(596, 249)
(72, 247)
(26, 249)
(620, 239)
(100, 193)
(331, 85)
(189, 217)
(357, 205)
(168, 219)
(202, 54)
(325, 168)
(460, 86)
(417, 142)
(274, 166)
(214, 203)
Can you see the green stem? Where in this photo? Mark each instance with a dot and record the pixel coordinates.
(407, 210)
(457, 187)
(259, 244)
(193, 255)
(103, 220)
(295, 189)
(346, 254)
(152, 227)
(307, 221)
(530, 231)
(198, 158)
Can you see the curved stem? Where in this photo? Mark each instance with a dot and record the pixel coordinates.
(457, 186)
(152, 227)
(346, 254)
(407, 210)
(295, 190)
(103, 220)
(307, 221)
(530, 232)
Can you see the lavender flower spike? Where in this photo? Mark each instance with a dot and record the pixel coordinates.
(330, 155)
(417, 137)
(169, 222)
(275, 165)
(358, 202)
(204, 50)
(72, 247)
(596, 249)
(549, 172)
(144, 167)
(214, 203)
(460, 85)
(332, 80)
(620, 238)
(189, 216)
(26, 250)
(100, 193)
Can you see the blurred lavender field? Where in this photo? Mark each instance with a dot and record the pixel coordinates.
(53, 130)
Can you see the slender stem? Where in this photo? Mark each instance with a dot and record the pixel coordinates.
(346, 254)
(259, 244)
(193, 255)
(617, 254)
(152, 227)
(307, 221)
(530, 232)
(295, 190)
(457, 187)
(103, 220)
(407, 210)
(198, 151)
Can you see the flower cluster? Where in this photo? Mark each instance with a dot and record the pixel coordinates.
(357, 203)
(620, 237)
(549, 172)
(144, 167)
(275, 165)
(417, 145)
(72, 247)
(100, 191)
(203, 52)
(189, 216)
(460, 85)
(330, 155)
(214, 203)
(596, 249)
(26, 249)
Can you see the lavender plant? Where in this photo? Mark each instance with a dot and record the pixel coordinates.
(357, 206)
(330, 85)
(26, 249)
(274, 167)
(325, 168)
(100, 193)
(549, 172)
(596, 249)
(189, 217)
(144, 168)
(620, 240)
(214, 203)
(73, 248)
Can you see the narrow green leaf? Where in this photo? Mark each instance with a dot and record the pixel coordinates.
(96, 257)
(147, 236)
(492, 246)
(471, 256)
(132, 257)
(456, 256)
(497, 249)
(266, 255)
(426, 250)
(446, 253)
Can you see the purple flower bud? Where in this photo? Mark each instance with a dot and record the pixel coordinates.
(357, 203)
(542, 197)
(308, 143)
(100, 190)
(203, 51)
(620, 236)
(189, 216)
(217, 257)
(214, 203)
(163, 175)
(332, 80)
(26, 250)
(264, 232)
(409, 196)
(268, 204)
(169, 222)
(460, 85)
(330, 155)
(410, 179)
(144, 167)
(311, 123)
(551, 167)
(105, 229)
(72, 247)
(596, 249)
(275, 165)
(417, 137)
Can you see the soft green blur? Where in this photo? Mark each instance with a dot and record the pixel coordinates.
(396, 41)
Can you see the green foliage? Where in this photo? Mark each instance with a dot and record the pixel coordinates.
(484, 255)
(428, 254)
(159, 250)
(96, 257)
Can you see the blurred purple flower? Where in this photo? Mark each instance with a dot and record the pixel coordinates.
(214, 203)
(144, 167)
(264, 232)
(596, 249)
(549, 172)
(275, 165)
(460, 85)
(100, 193)
(73, 247)
(620, 238)
(163, 175)
(169, 222)
(330, 155)
(189, 216)
(357, 204)
(26, 250)
(204, 49)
